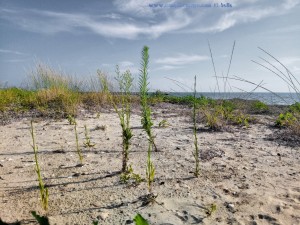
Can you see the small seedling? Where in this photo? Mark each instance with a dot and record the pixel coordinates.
(98, 115)
(211, 209)
(43, 191)
(87, 143)
(77, 142)
(71, 119)
(139, 220)
(130, 177)
(163, 123)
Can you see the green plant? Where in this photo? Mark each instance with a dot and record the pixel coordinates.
(43, 191)
(139, 220)
(196, 152)
(129, 176)
(295, 108)
(71, 119)
(212, 208)
(259, 106)
(87, 143)
(42, 220)
(77, 142)
(285, 119)
(146, 115)
(163, 123)
(125, 84)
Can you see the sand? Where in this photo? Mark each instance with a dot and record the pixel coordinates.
(248, 173)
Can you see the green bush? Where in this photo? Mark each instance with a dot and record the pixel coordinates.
(285, 119)
(259, 106)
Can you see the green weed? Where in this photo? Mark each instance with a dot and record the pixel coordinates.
(196, 152)
(139, 220)
(87, 143)
(42, 220)
(77, 142)
(146, 115)
(130, 177)
(71, 119)
(259, 107)
(163, 123)
(43, 191)
(285, 120)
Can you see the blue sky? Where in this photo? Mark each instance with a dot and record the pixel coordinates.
(80, 37)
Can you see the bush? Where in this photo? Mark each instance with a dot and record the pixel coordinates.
(259, 107)
(285, 120)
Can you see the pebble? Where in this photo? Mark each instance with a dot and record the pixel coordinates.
(103, 215)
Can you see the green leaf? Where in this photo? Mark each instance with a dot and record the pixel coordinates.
(139, 220)
(42, 220)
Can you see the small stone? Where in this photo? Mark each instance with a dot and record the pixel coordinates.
(128, 221)
(103, 215)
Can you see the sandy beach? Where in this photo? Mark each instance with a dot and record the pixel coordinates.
(250, 174)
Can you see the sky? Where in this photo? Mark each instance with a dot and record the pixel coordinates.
(78, 37)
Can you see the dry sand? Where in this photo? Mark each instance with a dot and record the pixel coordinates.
(248, 174)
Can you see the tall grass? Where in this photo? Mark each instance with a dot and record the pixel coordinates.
(43, 191)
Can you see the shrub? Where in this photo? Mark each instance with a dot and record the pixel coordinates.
(258, 106)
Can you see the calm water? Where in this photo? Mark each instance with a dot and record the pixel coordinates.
(268, 98)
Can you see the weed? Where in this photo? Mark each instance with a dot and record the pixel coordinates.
(295, 108)
(77, 142)
(285, 120)
(196, 152)
(259, 107)
(71, 119)
(163, 123)
(139, 220)
(125, 85)
(211, 209)
(42, 220)
(87, 143)
(128, 176)
(146, 115)
(43, 191)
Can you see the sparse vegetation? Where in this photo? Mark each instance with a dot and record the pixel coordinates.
(259, 107)
(43, 191)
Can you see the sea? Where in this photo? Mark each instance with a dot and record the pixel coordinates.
(275, 98)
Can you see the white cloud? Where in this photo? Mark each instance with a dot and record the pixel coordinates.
(132, 19)
(12, 52)
(181, 59)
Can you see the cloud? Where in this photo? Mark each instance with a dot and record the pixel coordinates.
(181, 59)
(11, 52)
(110, 25)
(134, 19)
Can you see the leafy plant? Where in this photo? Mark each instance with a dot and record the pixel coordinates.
(211, 209)
(129, 175)
(146, 115)
(139, 220)
(87, 143)
(196, 152)
(125, 84)
(285, 119)
(42, 220)
(71, 119)
(77, 142)
(164, 123)
(43, 191)
(259, 106)
(295, 107)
